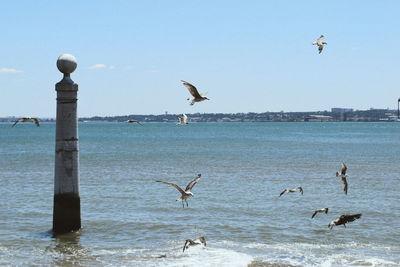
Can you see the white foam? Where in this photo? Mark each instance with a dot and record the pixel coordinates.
(209, 257)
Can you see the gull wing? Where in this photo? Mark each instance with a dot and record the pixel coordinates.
(315, 213)
(349, 217)
(192, 183)
(185, 118)
(181, 119)
(345, 184)
(192, 89)
(36, 121)
(300, 189)
(184, 246)
(283, 192)
(19, 120)
(321, 39)
(174, 185)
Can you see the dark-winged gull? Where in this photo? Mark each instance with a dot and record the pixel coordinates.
(183, 119)
(25, 119)
(343, 219)
(286, 191)
(133, 121)
(189, 242)
(193, 91)
(320, 43)
(187, 193)
(320, 210)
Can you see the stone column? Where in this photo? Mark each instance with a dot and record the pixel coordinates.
(67, 210)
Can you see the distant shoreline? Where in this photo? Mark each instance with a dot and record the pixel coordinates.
(371, 115)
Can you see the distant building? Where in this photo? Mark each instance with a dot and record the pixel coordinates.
(320, 118)
(341, 110)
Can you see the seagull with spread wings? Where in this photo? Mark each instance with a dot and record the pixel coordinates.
(187, 193)
(286, 191)
(193, 91)
(320, 210)
(25, 119)
(199, 241)
(183, 119)
(343, 219)
(133, 121)
(320, 43)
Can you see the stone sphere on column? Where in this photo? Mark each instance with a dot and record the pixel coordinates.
(66, 63)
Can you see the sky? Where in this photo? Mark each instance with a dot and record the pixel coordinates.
(250, 56)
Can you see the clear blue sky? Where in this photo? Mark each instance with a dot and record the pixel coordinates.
(251, 56)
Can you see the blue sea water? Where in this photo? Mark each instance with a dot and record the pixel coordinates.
(130, 220)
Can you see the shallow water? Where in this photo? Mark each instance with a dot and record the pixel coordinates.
(129, 219)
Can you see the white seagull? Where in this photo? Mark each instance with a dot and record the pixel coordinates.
(183, 119)
(286, 191)
(25, 119)
(193, 91)
(199, 241)
(320, 210)
(187, 193)
(320, 43)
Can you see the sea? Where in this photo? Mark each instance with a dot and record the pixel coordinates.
(128, 219)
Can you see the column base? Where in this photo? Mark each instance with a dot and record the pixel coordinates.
(66, 213)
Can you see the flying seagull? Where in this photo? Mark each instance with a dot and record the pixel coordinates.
(343, 219)
(25, 119)
(343, 170)
(185, 194)
(193, 91)
(189, 242)
(292, 190)
(320, 210)
(320, 43)
(133, 121)
(183, 119)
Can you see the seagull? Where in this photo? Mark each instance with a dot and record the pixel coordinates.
(185, 193)
(25, 119)
(183, 119)
(320, 210)
(343, 170)
(320, 43)
(193, 91)
(292, 190)
(189, 242)
(133, 121)
(343, 219)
